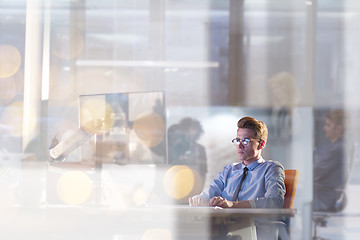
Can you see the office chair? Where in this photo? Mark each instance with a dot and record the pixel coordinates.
(291, 181)
(320, 218)
(282, 227)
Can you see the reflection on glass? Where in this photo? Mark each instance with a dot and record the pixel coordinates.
(330, 162)
(132, 126)
(157, 233)
(68, 42)
(61, 82)
(74, 187)
(285, 96)
(96, 116)
(10, 87)
(12, 119)
(149, 128)
(183, 145)
(179, 181)
(140, 196)
(10, 60)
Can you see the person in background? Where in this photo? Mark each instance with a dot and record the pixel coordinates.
(285, 96)
(184, 148)
(250, 182)
(330, 164)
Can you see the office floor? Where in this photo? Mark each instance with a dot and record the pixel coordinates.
(341, 228)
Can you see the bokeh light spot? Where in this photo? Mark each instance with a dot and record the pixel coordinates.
(61, 82)
(156, 234)
(74, 187)
(8, 89)
(179, 181)
(68, 43)
(140, 197)
(149, 127)
(10, 60)
(96, 116)
(12, 119)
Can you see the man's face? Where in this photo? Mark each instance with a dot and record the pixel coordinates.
(332, 131)
(252, 151)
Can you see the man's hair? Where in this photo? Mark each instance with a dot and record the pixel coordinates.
(259, 127)
(337, 116)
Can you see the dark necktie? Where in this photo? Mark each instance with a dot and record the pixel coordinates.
(235, 196)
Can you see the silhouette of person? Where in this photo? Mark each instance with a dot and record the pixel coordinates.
(330, 164)
(183, 146)
(285, 96)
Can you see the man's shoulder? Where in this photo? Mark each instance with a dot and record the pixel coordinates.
(273, 163)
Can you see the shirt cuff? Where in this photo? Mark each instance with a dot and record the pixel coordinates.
(204, 196)
(252, 203)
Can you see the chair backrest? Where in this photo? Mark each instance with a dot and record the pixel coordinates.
(291, 180)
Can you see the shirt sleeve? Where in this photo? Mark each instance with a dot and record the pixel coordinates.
(216, 186)
(274, 189)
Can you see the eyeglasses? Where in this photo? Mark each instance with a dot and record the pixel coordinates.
(244, 141)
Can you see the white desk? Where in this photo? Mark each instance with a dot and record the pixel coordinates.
(169, 222)
(95, 219)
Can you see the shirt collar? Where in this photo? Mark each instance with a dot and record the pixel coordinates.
(253, 165)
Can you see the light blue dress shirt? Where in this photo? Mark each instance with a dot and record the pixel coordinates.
(263, 186)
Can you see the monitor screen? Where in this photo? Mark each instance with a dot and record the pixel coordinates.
(128, 128)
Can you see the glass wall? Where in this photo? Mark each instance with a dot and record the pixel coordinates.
(116, 105)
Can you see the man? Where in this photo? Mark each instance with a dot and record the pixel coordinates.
(329, 164)
(250, 183)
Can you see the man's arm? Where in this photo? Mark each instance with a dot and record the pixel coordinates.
(274, 189)
(215, 189)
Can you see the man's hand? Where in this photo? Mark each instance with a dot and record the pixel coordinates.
(220, 202)
(198, 202)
